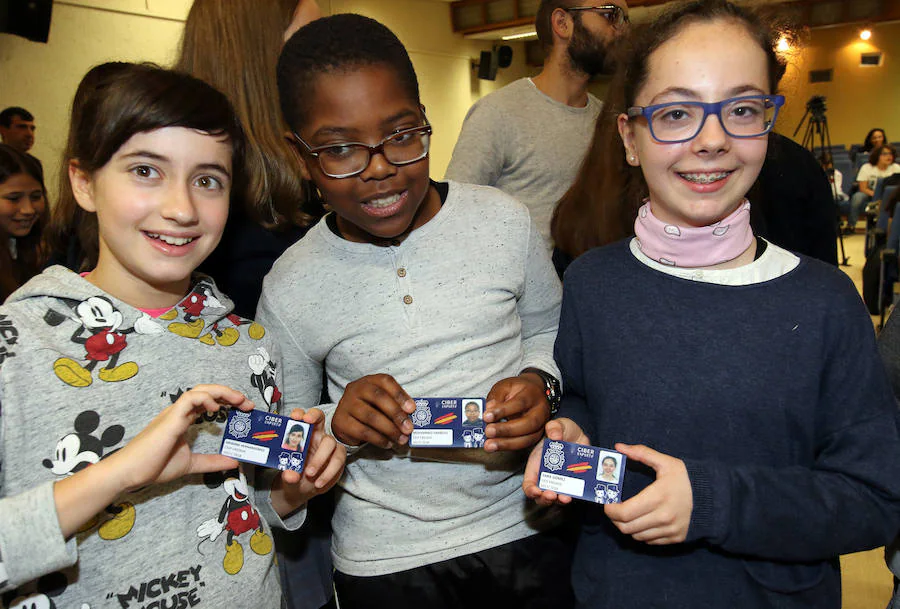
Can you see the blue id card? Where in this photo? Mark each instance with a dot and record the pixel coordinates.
(447, 423)
(265, 438)
(583, 472)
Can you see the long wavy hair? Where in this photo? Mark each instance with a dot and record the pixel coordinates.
(29, 252)
(602, 203)
(867, 143)
(234, 46)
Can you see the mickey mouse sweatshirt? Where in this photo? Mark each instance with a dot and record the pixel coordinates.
(81, 373)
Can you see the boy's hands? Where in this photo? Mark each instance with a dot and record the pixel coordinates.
(522, 401)
(661, 513)
(557, 429)
(322, 470)
(374, 409)
(159, 453)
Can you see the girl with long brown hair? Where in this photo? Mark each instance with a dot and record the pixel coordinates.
(233, 45)
(740, 380)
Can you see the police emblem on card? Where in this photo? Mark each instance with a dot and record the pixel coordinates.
(583, 472)
(448, 423)
(267, 439)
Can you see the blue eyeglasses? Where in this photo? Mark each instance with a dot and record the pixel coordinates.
(741, 117)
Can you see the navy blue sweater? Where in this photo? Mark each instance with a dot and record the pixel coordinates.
(774, 397)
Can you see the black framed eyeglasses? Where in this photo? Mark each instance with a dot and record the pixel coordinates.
(681, 121)
(348, 159)
(615, 15)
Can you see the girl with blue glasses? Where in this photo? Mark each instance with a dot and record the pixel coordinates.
(740, 380)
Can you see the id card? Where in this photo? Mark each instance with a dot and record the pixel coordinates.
(265, 438)
(448, 423)
(583, 472)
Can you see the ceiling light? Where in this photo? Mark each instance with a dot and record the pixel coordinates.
(518, 36)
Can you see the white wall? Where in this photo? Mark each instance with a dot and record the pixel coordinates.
(43, 77)
(83, 33)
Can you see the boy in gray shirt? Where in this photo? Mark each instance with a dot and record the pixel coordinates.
(413, 288)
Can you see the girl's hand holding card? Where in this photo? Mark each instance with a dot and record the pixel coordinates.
(661, 513)
(323, 468)
(563, 429)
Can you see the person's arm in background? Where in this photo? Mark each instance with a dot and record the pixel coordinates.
(862, 180)
(837, 186)
(478, 155)
(818, 229)
(792, 204)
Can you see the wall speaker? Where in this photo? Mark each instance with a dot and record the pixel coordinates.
(490, 61)
(487, 65)
(870, 59)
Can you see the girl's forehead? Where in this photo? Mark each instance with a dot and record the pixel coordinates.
(21, 180)
(707, 57)
(177, 142)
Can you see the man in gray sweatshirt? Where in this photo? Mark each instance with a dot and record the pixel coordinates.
(528, 139)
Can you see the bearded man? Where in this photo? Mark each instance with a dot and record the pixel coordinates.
(528, 139)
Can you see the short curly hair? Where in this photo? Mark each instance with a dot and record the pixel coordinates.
(339, 43)
(876, 153)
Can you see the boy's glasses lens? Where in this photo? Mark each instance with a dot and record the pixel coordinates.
(346, 160)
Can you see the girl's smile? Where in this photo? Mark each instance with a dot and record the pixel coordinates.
(706, 181)
(172, 244)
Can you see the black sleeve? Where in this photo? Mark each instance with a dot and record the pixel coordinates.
(794, 205)
(561, 261)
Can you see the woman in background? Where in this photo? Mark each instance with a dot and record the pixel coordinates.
(234, 46)
(874, 138)
(881, 165)
(23, 213)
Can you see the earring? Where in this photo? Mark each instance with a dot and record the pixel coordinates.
(632, 159)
